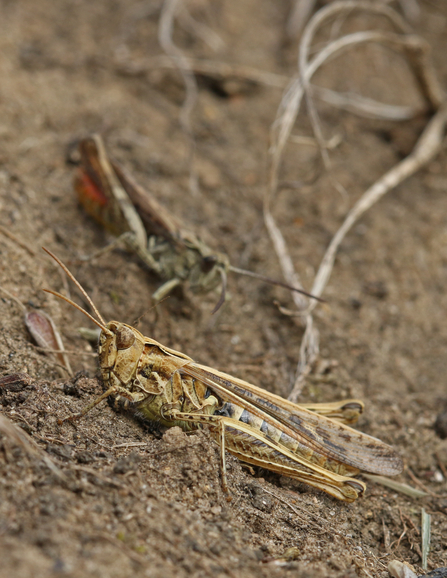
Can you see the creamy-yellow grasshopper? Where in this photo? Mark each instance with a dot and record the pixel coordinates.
(310, 443)
(163, 243)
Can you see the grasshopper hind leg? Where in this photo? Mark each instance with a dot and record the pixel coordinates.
(252, 447)
(164, 290)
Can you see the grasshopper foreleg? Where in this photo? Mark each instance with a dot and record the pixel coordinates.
(111, 391)
(165, 289)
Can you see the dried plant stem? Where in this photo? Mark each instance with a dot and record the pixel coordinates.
(427, 147)
(290, 106)
(352, 102)
(200, 30)
(413, 47)
(415, 51)
(303, 8)
(364, 106)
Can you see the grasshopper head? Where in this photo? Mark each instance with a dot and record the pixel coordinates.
(120, 348)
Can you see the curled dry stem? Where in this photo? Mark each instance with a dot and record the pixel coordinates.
(415, 51)
(221, 71)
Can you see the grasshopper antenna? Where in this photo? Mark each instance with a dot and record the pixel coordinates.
(101, 323)
(273, 282)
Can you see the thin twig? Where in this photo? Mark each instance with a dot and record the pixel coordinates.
(129, 445)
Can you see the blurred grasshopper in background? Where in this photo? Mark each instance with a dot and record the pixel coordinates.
(110, 195)
(309, 443)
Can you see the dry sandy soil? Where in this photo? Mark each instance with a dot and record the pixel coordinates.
(126, 499)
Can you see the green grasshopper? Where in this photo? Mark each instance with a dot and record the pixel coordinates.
(309, 443)
(144, 226)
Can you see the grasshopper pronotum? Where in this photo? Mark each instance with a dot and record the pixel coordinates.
(147, 228)
(310, 443)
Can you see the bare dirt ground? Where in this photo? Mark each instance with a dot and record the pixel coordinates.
(125, 500)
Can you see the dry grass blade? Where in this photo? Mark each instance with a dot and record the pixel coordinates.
(396, 486)
(425, 536)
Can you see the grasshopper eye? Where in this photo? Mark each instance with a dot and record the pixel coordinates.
(125, 337)
(208, 263)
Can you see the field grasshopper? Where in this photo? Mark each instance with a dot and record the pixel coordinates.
(144, 226)
(309, 443)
